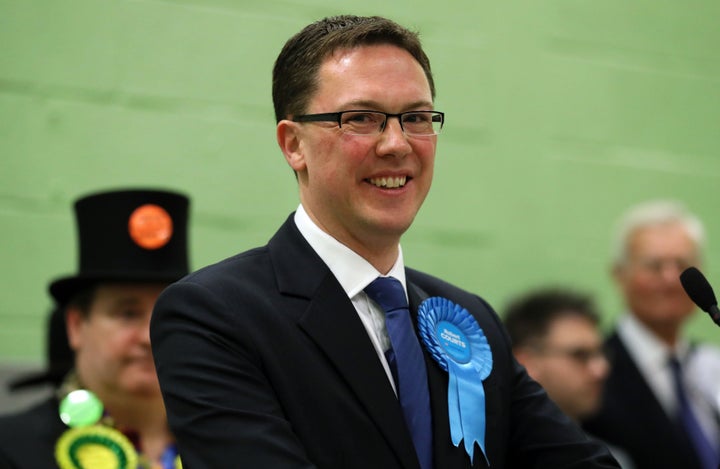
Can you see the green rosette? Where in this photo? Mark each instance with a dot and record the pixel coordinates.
(95, 447)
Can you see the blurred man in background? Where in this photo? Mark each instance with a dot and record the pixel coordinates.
(132, 244)
(556, 337)
(659, 401)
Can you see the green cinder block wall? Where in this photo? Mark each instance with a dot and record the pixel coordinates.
(559, 115)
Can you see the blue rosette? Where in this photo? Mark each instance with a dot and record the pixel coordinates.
(456, 341)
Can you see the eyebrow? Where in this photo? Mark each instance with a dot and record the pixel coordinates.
(369, 104)
(126, 301)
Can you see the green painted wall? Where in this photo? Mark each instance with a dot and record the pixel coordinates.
(559, 115)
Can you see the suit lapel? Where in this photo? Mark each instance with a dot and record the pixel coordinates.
(629, 381)
(332, 322)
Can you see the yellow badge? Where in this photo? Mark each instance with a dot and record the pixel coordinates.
(95, 447)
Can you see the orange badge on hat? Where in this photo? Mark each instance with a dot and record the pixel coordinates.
(150, 226)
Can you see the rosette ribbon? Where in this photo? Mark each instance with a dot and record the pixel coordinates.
(456, 341)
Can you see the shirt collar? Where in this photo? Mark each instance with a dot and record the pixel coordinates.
(645, 347)
(352, 271)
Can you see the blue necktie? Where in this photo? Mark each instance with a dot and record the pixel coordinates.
(705, 450)
(407, 363)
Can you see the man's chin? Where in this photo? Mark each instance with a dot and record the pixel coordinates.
(144, 386)
(588, 410)
(145, 392)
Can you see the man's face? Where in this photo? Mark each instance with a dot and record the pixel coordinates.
(112, 344)
(649, 279)
(339, 173)
(570, 365)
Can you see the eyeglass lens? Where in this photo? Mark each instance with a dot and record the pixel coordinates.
(370, 122)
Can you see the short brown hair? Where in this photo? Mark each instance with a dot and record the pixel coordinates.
(295, 70)
(528, 318)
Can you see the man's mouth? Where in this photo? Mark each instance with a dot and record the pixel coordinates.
(388, 182)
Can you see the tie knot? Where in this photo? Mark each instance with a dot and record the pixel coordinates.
(675, 365)
(677, 377)
(388, 292)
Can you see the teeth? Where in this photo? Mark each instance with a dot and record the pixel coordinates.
(389, 182)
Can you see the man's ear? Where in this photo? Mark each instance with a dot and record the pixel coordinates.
(525, 357)
(74, 320)
(288, 135)
(618, 273)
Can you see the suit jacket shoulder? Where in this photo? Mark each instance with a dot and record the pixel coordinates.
(27, 439)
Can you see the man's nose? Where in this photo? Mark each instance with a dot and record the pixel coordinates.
(393, 139)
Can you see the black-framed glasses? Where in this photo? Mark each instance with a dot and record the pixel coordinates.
(580, 355)
(360, 122)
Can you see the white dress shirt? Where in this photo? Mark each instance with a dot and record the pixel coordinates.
(700, 365)
(354, 274)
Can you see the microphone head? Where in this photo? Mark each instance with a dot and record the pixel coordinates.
(698, 288)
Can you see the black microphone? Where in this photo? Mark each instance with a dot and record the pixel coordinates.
(700, 291)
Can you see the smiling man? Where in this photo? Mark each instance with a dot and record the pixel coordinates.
(307, 352)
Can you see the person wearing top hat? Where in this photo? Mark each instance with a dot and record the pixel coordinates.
(108, 410)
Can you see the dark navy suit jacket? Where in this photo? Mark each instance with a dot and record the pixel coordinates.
(27, 438)
(632, 418)
(264, 363)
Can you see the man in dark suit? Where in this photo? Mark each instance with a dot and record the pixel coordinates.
(108, 410)
(282, 356)
(651, 408)
(556, 336)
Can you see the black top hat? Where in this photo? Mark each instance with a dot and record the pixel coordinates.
(128, 235)
(124, 235)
